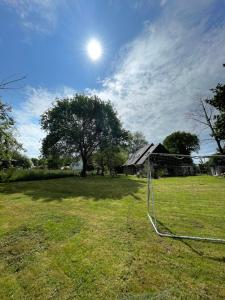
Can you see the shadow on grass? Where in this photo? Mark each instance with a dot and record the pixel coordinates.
(189, 244)
(96, 188)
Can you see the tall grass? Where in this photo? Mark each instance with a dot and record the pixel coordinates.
(12, 175)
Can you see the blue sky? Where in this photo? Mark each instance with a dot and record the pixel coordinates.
(158, 58)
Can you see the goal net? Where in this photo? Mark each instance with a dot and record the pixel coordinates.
(186, 196)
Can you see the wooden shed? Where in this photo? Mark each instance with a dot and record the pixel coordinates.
(137, 163)
(161, 165)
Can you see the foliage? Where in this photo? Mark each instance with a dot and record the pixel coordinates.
(137, 140)
(21, 160)
(218, 99)
(8, 143)
(218, 102)
(181, 142)
(80, 126)
(109, 159)
(43, 163)
(14, 174)
(54, 162)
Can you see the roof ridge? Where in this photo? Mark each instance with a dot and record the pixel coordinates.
(149, 146)
(134, 158)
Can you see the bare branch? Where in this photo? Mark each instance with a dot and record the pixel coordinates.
(6, 84)
(199, 121)
(205, 116)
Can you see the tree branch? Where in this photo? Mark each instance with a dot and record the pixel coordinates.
(6, 84)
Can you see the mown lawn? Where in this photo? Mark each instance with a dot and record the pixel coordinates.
(76, 238)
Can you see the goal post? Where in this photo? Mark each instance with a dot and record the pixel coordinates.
(186, 196)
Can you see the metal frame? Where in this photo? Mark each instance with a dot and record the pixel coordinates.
(151, 204)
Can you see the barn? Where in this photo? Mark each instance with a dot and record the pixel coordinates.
(137, 163)
(160, 165)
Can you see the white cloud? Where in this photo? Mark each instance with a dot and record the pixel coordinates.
(163, 2)
(37, 101)
(163, 70)
(36, 15)
(30, 135)
(158, 77)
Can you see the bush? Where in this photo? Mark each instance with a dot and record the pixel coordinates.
(6, 175)
(11, 175)
(159, 173)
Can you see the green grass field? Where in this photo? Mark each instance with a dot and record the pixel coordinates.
(76, 238)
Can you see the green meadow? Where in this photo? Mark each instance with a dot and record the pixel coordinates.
(90, 238)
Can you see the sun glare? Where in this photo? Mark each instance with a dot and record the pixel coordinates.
(94, 49)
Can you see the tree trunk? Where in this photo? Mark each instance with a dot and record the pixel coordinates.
(102, 171)
(84, 170)
(102, 168)
(219, 146)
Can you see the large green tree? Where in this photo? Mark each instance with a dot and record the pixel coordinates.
(80, 126)
(137, 140)
(181, 142)
(8, 143)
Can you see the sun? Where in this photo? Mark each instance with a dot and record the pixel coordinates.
(94, 49)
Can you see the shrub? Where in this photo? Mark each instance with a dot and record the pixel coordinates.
(11, 175)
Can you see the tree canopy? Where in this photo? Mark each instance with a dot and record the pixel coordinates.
(181, 142)
(8, 143)
(218, 102)
(137, 140)
(79, 126)
(21, 160)
(110, 159)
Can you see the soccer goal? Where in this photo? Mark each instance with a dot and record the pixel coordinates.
(186, 196)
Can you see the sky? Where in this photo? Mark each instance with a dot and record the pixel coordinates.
(159, 57)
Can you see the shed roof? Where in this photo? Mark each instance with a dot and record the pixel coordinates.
(139, 157)
(158, 148)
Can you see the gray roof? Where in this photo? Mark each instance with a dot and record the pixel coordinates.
(145, 156)
(139, 157)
